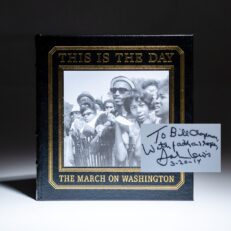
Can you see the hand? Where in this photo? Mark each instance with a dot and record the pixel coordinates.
(79, 124)
(111, 118)
(141, 117)
(88, 131)
(134, 132)
(99, 129)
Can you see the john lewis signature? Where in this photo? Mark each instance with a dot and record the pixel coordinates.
(180, 152)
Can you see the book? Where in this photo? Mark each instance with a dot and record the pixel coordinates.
(93, 95)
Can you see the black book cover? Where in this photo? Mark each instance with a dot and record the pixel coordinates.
(93, 93)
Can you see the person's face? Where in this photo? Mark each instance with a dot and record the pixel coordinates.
(139, 110)
(84, 102)
(78, 115)
(88, 115)
(152, 90)
(84, 106)
(74, 115)
(120, 91)
(109, 107)
(162, 104)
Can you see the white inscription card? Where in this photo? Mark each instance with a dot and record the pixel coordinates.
(181, 148)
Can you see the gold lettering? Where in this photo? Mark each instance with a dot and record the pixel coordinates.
(72, 57)
(90, 178)
(80, 178)
(128, 57)
(139, 58)
(80, 57)
(87, 58)
(113, 178)
(153, 57)
(169, 56)
(147, 178)
(105, 57)
(118, 56)
(66, 178)
(162, 58)
(98, 57)
(171, 179)
(62, 57)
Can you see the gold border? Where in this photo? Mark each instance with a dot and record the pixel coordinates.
(50, 112)
(122, 187)
(62, 68)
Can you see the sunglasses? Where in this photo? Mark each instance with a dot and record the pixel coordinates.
(120, 89)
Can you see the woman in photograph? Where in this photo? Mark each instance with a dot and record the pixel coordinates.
(109, 106)
(151, 87)
(90, 116)
(162, 103)
(128, 140)
(138, 107)
(100, 134)
(104, 140)
(82, 133)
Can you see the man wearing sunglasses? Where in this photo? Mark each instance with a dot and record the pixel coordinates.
(121, 88)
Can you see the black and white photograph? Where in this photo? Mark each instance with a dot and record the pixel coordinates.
(103, 112)
(63, 118)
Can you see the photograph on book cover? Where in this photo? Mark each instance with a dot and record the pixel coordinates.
(98, 98)
(103, 113)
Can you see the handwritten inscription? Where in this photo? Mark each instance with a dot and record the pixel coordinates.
(180, 147)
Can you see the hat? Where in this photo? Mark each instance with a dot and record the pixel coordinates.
(149, 83)
(85, 94)
(123, 78)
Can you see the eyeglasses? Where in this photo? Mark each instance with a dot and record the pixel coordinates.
(108, 107)
(120, 89)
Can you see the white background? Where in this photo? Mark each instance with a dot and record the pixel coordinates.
(210, 211)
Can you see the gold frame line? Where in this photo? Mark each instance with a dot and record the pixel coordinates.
(131, 67)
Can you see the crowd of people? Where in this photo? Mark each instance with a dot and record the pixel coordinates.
(107, 134)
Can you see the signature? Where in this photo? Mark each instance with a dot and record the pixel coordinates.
(165, 157)
(186, 149)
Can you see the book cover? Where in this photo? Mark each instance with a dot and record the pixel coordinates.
(93, 95)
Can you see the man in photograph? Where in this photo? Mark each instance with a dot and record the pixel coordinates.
(121, 88)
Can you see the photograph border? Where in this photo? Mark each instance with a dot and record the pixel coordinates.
(61, 70)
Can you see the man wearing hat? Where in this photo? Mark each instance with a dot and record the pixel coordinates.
(121, 88)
